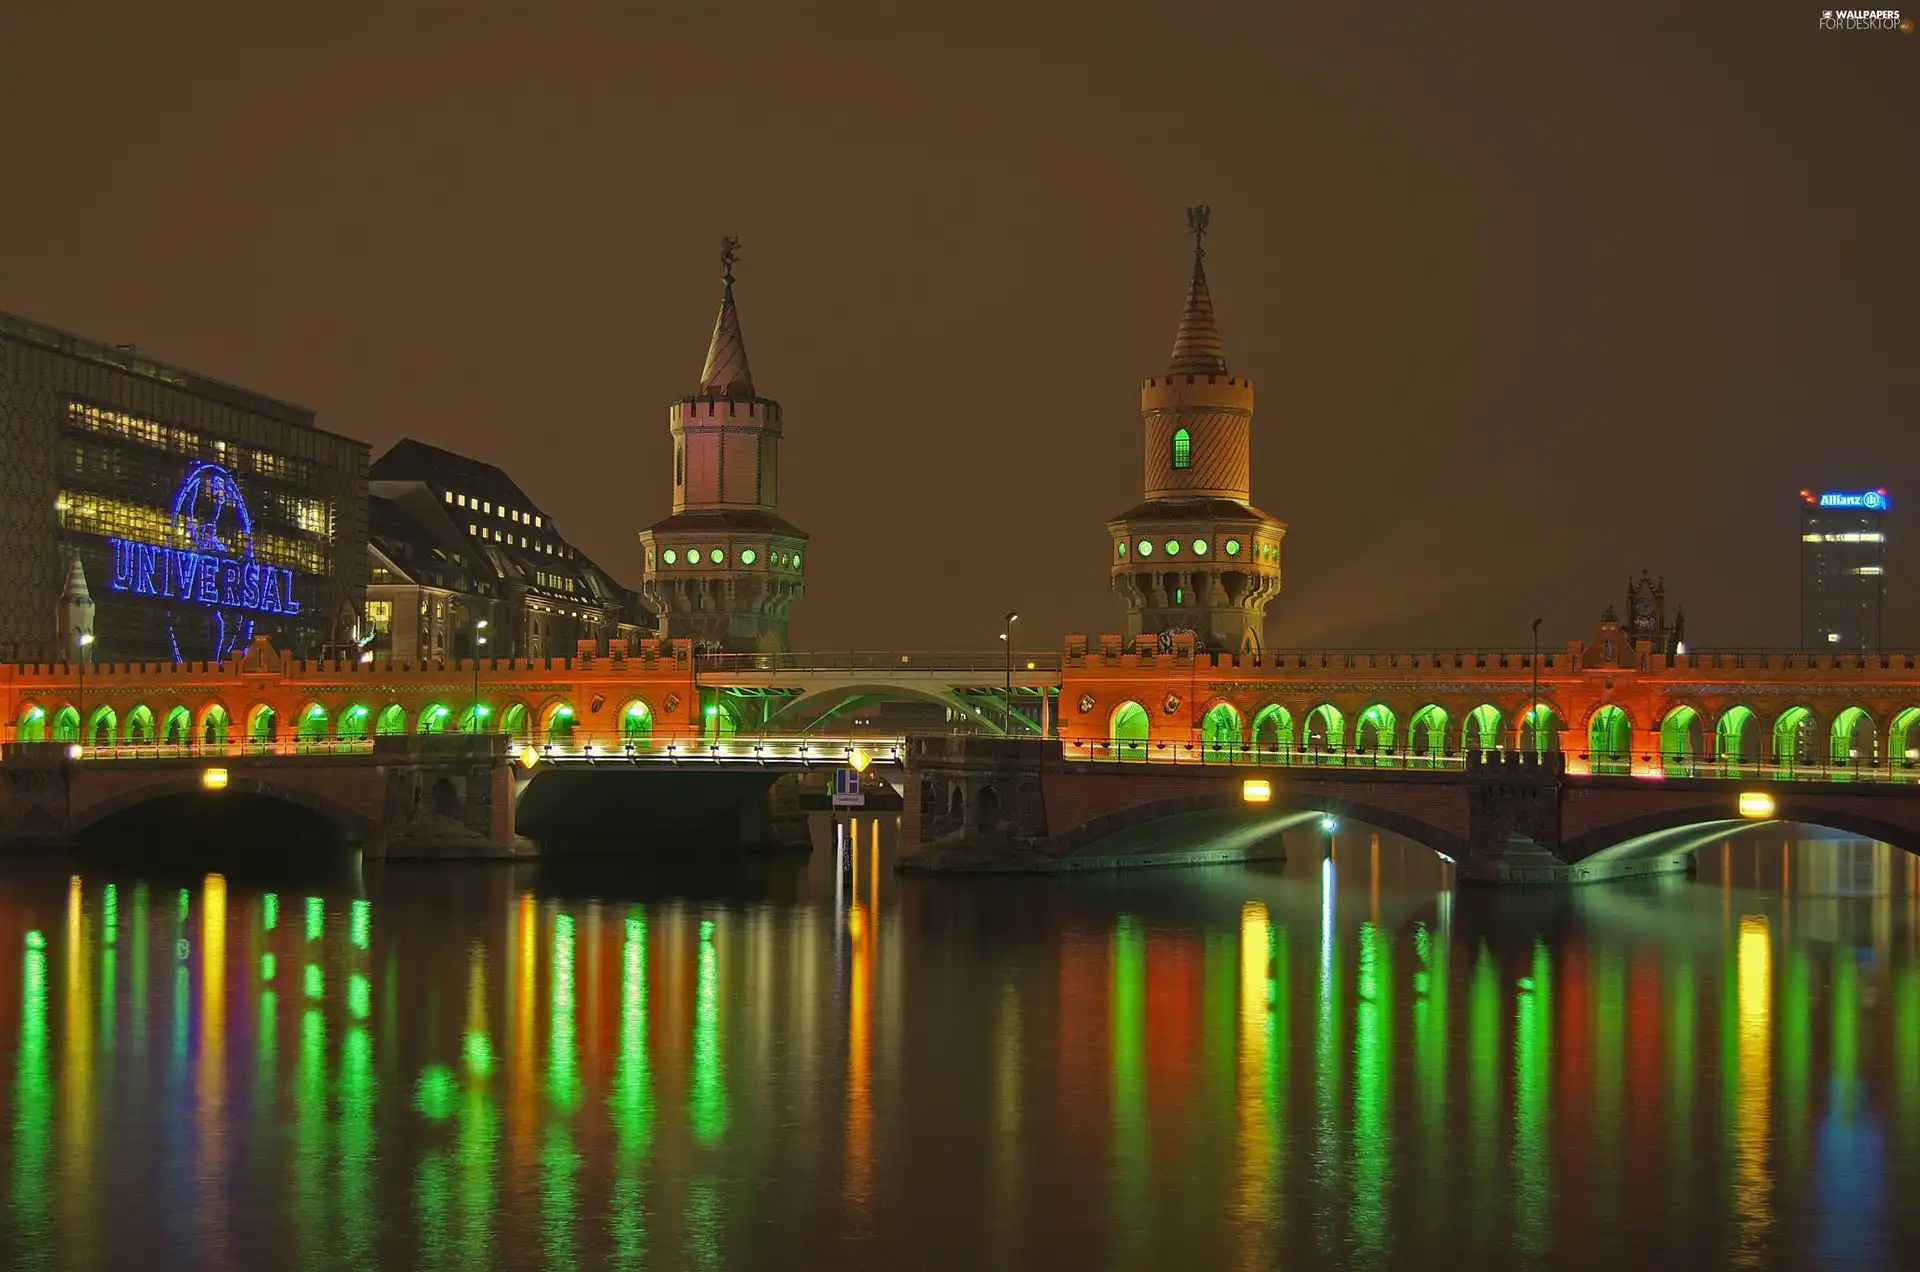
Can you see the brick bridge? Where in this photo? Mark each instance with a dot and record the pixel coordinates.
(1032, 795)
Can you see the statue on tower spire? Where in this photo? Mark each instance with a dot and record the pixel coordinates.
(729, 253)
(1197, 218)
(726, 373)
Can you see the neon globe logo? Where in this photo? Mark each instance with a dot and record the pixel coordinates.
(209, 566)
(1873, 499)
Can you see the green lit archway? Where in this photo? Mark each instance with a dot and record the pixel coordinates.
(103, 727)
(1733, 740)
(1903, 744)
(476, 717)
(177, 728)
(66, 725)
(513, 721)
(353, 723)
(1539, 728)
(1679, 741)
(1610, 740)
(1793, 739)
(1427, 736)
(140, 726)
(1220, 737)
(391, 720)
(32, 725)
(636, 725)
(1272, 731)
(262, 726)
(311, 724)
(1854, 742)
(1327, 731)
(1480, 731)
(213, 725)
(1127, 729)
(436, 718)
(1373, 733)
(559, 724)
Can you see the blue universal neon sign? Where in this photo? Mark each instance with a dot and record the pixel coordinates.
(216, 571)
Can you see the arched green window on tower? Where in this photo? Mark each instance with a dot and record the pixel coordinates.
(1182, 449)
(1127, 731)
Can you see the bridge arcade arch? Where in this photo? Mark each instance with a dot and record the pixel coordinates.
(140, 725)
(1127, 730)
(1220, 737)
(1427, 736)
(1272, 730)
(1481, 729)
(1610, 739)
(1373, 732)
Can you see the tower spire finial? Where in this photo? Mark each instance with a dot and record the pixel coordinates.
(726, 373)
(1196, 346)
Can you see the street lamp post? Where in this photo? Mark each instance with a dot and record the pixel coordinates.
(1533, 705)
(473, 711)
(1006, 708)
(82, 640)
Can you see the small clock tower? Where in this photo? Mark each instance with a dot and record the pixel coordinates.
(1647, 616)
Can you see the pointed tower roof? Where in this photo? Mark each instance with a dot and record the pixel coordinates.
(726, 373)
(77, 582)
(1196, 346)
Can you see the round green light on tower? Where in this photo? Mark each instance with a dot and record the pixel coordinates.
(746, 556)
(1120, 549)
(718, 556)
(693, 556)
(796, 560)
(1233, 547)
(1146, 548)
(1199, 547)
(1173, 547)
(670, 556)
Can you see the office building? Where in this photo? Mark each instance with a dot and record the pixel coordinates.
(1843, 581)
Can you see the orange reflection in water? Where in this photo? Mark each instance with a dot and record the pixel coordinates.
(1752, 1180)
(1258, 1147)
(211, 1118)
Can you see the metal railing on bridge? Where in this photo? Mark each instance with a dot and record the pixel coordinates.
(990, 664)
(582, 747)
(1579, 763)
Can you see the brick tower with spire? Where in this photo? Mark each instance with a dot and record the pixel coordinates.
(1197, 557)
(723, 570)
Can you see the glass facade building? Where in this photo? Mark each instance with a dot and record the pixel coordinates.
(1843, 543)
(201, 514)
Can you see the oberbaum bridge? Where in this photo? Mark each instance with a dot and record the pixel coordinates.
(1185, 739)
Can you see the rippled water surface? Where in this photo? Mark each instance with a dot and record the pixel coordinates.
(771, 1064)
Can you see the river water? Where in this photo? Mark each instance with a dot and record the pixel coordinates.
(771, 1064)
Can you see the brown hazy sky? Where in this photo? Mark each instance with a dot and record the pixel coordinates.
(1534, 296)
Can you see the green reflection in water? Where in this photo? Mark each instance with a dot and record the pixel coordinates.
(182, 1015)
(478, 1144)
(270, 911)
(1609, 1076)
(432, 1208)
(1681, 1008)
(109, 953)
(1483, 1006)
(1906, 1049)
(315, 982)
(1430, 1062)
(32, 1193)
(263, 1092)
(559, 1162)
(310, 1139)
(359, 996)
(630, 1102)
(703, 1222)
(1129, 1085)
(1532, 1076)
(360, 923)
(139, 986)
(1846, 1035)
(1796, 1047)
(267, 967)
(316, 918)
(358, 1221)
(1372, 1089)
(708, 1096)
(435, 1093)
(1326, 1047)
(186, 906)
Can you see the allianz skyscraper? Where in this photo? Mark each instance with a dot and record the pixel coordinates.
(1843, 543)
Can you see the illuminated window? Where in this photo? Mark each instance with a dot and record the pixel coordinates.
(1833, 638)
(746, 556)
(718, 555)
(1173, 547)
(796, 560)
(1199, 547)
(670, 556)
(1120, 550)
(1179, 596)
(1182, 448)
(462, 499)
(487, 507)
(536, 519)
(1233, 547)
(1145, 548)
(693, 556)
(472, 529)
(449, 496)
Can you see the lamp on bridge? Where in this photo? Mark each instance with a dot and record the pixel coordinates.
(1006, 709)
(82, 639)
(478, 640)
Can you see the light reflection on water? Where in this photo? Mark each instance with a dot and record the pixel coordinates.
(811, 1062)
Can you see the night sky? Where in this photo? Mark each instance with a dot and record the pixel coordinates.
(1534, 296)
